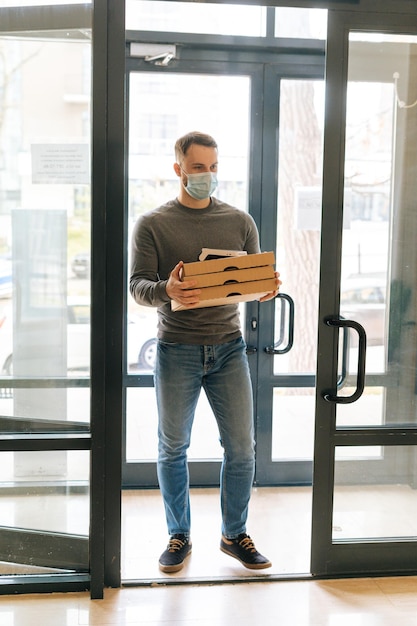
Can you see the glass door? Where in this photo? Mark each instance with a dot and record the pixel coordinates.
(294, 104)
(225, 106)
(243, 109)
(45, 302)
(365, 457)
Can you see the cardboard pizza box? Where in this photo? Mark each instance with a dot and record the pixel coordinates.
(232, 276)
(228, 264)
(230, 294)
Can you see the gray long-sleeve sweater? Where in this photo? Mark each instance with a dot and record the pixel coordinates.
(173, 233)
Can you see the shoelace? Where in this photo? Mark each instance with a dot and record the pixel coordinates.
(175, 545)
(247, 544)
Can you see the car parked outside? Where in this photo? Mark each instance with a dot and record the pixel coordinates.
(80, 265)
(363, 300)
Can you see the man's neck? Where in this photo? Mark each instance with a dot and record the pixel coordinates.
(191, 203)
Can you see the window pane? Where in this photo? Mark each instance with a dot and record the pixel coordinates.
(44, 511)
(299, 220)
(218, 105)
(301, 23)
(195, 18)
(45, 229)
(223, 103)
(378, 282)
(372, 485)
(30, 3)
(293, 424)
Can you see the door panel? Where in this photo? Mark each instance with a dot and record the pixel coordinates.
(365, 451)
(288, 345)
(284, 384)
(224, 106)
(44, 221)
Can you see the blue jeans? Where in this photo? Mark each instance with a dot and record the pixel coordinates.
(222, 370)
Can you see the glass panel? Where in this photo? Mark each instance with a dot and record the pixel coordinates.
(46, 492)
(220, 103)
(223, 102)
(367, 411)
(380, 229)
(141, 429)
(301, 23)
(293, 424)
(32, 410)
(372, 484)
(45, 227)
(187, 17)
(299, 217)
(30, 3)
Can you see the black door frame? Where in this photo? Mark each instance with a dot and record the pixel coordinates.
(345, 557)
(199, 56)
(55, 550)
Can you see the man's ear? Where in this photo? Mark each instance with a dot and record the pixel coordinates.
(177, 169)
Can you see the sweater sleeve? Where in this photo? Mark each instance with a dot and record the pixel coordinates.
(145, 284)
(252, 245)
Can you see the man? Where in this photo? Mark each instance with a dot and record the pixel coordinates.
(198, 348)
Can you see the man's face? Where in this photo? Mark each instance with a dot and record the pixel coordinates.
(197, 160)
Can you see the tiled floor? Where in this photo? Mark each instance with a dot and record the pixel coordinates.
(213, 589)
(354, 602)
(279, 522)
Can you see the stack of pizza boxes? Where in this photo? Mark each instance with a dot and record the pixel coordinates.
(230, 279)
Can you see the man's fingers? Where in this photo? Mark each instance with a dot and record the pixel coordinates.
(176, 272)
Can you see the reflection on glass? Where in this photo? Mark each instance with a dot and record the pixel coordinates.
(293, 424)
(375, 493)
(141, 428)
(187, 17)
(378, 271)
(299, 217)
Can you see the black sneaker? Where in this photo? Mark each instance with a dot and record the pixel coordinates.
(243, 549)
(172, 560)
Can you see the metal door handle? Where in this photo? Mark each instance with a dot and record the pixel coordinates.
(275, 349)
(360, 381)
(345, 358)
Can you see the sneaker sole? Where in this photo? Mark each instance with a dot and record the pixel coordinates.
(171, 569)
(248, 565)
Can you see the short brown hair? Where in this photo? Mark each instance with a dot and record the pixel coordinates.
(183, 143)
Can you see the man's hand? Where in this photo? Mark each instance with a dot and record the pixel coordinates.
(272, 294)
(182, 290)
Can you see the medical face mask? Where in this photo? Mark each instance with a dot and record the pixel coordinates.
(201, 186)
